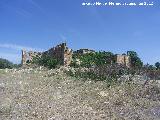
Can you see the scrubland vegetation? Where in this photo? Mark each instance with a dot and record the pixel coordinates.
(93, 87)
(42, 94)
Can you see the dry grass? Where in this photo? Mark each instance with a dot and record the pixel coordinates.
(35, 94)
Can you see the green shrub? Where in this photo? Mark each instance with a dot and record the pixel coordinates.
(93, 59)
(5, 64)
(46, 61)
(93, 76)
(136, 62)
(74, 64)
(52, 63)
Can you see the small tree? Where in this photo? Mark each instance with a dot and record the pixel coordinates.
(46, 60)
(157, 64)
(135, 60)
(5, 64)
(94, 59)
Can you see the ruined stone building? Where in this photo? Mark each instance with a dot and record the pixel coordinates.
(61, 52)
(28, 56)
(84, 51)
(64, 55)
(123, 60)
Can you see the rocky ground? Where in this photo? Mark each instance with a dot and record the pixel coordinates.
(39, 94)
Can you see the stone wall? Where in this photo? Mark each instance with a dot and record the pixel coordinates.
(28, 56)
(84, 51)
(24, 57)
(61, 52)
(64, 55)
(123, 59)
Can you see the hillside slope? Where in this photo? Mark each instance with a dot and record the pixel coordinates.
(34, 94)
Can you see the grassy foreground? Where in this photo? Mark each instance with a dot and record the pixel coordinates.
(38, 94)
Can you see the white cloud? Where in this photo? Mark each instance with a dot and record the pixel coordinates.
(23, 12)
(63, 38)
(36, 5)
(19, 47)
(15, 58)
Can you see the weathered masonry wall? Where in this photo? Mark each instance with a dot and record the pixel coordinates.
(61, 52)
(64, 55)
(84, 51)
(123, 59)
(28, 56)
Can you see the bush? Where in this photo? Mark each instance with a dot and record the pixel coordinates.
(5, 64)
(74, 64)
(52, 63)
(93, 59)
(107, 73)
(17, 65)
(136, 62)
(46, 61)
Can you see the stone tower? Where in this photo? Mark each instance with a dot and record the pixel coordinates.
(124, 60)
(62, 53)
(24, 57)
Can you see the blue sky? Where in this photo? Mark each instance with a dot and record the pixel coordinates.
(41, 24)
